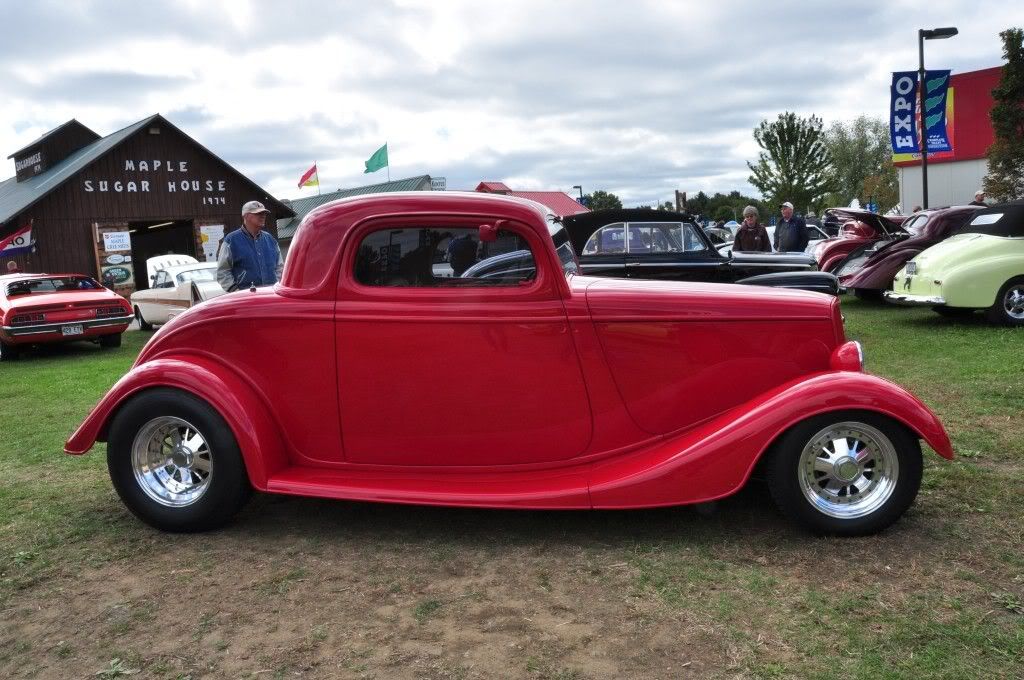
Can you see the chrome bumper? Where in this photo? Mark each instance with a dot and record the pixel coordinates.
(40, 329)
(914, 300)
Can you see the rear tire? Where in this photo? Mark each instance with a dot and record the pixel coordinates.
(845, 473)
(1009, 305)
(175, 463)
(113, 340)
(9, 352)
(142, 322)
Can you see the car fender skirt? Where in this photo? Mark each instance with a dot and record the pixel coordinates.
(716, 459)
(233, 398)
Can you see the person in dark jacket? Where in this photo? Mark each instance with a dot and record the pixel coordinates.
(979, 198)
(791, 231)
(751, 236)
(249, 256)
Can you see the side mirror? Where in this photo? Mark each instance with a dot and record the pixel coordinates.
(488, 233)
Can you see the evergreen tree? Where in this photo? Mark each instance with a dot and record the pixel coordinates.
(794, 164)
(1005, 178)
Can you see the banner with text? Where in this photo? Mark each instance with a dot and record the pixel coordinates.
(902, 122)
(936, 84)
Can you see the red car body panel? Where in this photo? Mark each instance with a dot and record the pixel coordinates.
(564, 392)
(58, 309)
(860, 227)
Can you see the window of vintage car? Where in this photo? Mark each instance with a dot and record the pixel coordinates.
(445, 257)
(204, 274)
(664, 237)
(915, 224)
(608, 240)
(162, 280)
(58, 284)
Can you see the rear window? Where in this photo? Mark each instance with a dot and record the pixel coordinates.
(1007, 223)
(56, 284)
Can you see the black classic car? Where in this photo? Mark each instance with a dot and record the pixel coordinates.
(655, 244)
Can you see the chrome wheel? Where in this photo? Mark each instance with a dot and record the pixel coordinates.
(848, 470)
(1013, 302)
(171, 461)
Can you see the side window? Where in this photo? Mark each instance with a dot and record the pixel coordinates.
(608, 240)
(443, 257)
(162, 280)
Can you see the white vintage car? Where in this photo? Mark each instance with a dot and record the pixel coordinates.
(177, 282)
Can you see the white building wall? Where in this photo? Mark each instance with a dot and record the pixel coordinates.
(948, 183)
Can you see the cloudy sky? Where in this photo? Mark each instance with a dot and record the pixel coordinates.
(637, 98)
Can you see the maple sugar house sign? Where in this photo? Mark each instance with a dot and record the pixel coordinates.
(140, 177)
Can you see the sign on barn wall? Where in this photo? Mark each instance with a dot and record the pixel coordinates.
(139, 178)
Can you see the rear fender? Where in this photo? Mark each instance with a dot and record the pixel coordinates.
(716, 459)
(236, 400)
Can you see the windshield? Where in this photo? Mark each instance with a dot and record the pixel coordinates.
(563, 246)
(55, 284)
(204, 274)
(915, 225)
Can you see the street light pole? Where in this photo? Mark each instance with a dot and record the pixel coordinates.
(577, 186)
(922, 35)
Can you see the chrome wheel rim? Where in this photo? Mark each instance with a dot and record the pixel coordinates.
(848, 470)
(172, 461)
(1013, 302)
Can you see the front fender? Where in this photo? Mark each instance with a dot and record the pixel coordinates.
(235, 399)
(716, 459)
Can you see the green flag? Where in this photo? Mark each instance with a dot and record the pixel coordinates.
(378, 160)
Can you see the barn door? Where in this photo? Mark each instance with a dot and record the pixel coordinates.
(114, 266)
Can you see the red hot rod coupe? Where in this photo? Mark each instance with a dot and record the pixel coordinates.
(860, 227)
(382, 368)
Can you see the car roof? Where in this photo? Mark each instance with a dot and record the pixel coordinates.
(178, 268)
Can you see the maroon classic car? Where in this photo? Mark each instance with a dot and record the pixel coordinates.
(869, 269)
(859, 228)
(46, 308)
(372, 373)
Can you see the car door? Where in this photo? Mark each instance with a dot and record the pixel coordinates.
(672, 251)
(605, 252)
(455, 370)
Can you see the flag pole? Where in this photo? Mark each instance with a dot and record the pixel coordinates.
(317, 178)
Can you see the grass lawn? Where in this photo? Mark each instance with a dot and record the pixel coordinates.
(309, 588)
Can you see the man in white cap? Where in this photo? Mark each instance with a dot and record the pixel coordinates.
(791, 231)
(249, 256)
(979, 198)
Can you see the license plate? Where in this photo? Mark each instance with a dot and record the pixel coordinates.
(911, 267)
(73, 329)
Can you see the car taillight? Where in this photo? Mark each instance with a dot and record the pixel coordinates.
(25, 319)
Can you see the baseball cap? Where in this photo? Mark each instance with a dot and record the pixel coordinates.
(787, 204)
(979, 192)
(254, 207)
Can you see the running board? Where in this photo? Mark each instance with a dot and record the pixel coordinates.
(535, 490)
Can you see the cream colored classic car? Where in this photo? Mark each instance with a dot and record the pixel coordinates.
(981, 267)
(177, 282)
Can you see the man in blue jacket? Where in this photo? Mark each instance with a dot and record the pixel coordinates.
(791, 231)
(249, 256)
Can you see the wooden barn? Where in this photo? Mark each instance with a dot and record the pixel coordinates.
(102, 206)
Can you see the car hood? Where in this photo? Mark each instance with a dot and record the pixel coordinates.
(631, 299)
(957, 249)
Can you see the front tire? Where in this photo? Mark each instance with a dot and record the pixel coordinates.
(847, 473)
(1009, 305)
(142, 321)
(175, 463)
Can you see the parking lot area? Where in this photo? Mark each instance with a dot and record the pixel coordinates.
(320, 589)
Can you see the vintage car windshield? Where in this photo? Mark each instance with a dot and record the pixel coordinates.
(54, 284)
(204, 274)
(915, 225)
(645, 237)
(563, 246)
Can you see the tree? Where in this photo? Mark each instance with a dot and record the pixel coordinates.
(794, 164)
(602, 200)
(1005, 178)
(862, 166)
(724, 214)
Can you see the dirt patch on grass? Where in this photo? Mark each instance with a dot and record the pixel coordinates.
(305, 588)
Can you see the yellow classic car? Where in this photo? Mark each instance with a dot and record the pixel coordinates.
(177, 282)
(982, 267)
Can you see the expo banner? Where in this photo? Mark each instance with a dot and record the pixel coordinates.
(936, 84)
(902, 122)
